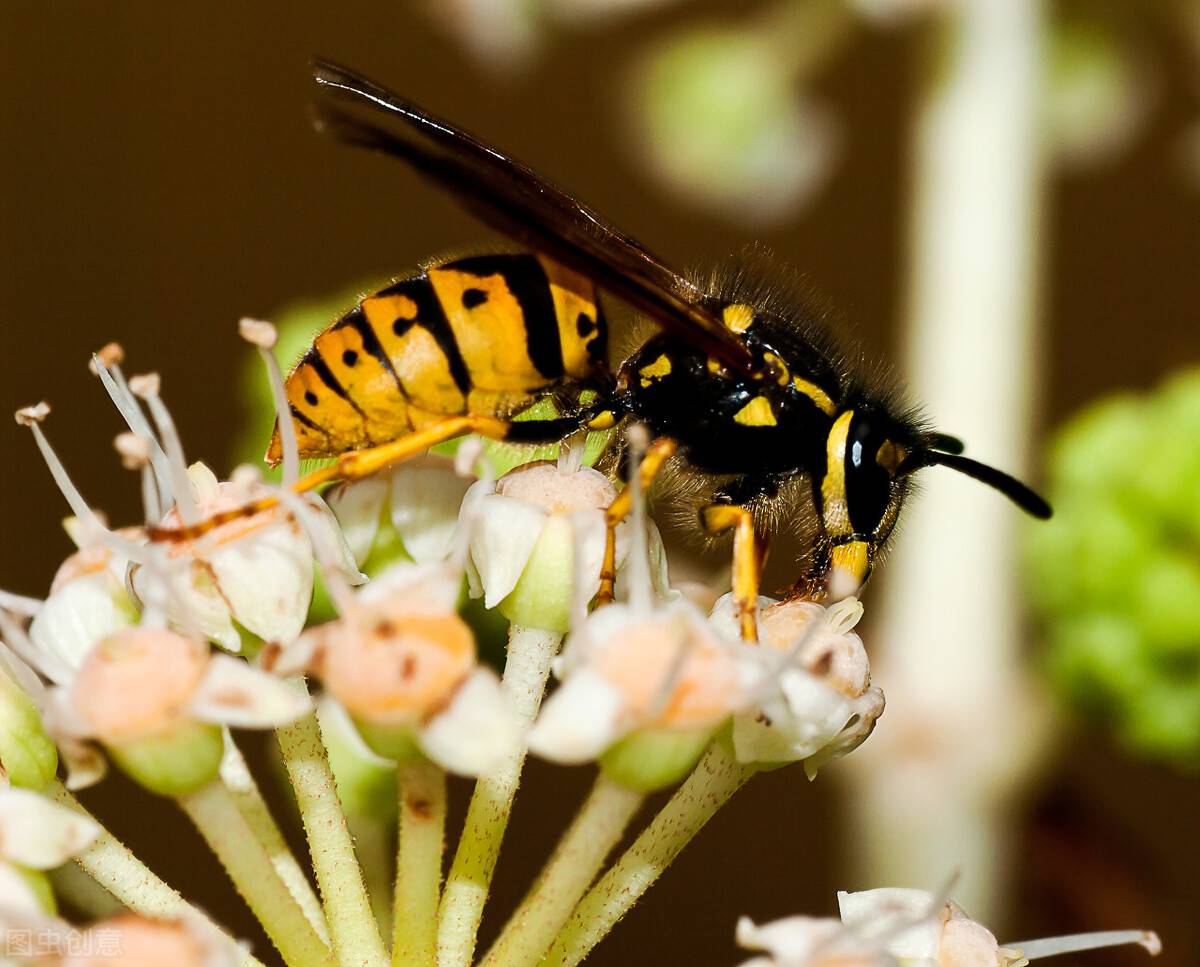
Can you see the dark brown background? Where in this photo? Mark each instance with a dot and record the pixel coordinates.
(160, 180)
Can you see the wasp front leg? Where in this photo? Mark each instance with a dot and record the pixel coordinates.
(748, 559)
(657, 454)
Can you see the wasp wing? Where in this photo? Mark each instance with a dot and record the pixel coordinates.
(513, 199)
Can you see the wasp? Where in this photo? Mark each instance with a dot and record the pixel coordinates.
(746, 398)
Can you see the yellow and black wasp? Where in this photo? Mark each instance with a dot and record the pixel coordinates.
(744, 397)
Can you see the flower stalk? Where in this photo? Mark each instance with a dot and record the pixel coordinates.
(582, 850)
(717, 777)
(214, 811)
(352, 928)
(422, 827)
(526, 670)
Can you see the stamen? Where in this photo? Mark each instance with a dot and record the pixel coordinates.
(570, 452)
(640, 587)
(147, 388)
(263, 336)
(327, 557)
(135, 455)
(1073, 943)
(52, 667)
(107, 365)
(19, 604)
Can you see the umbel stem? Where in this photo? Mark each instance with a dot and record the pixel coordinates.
(422, 824)
(577, 859)
(527, 667)
(716, 778)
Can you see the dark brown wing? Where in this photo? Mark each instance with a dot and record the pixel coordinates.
(511, 198)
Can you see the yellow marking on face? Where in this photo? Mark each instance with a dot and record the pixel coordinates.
(491, 335)
(737, 317)
(604, 420)
(816, 394)
(366, 380)
(888, 456)
(656, 370)
(833, 488)
(575, 308)
(782, 376)
(757, 412)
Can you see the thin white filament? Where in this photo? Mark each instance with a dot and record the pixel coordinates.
(1073, 943)
(283, 417)
(640, 588)
(181, 487)
(126, 403)
(52, 667)
(19, 604)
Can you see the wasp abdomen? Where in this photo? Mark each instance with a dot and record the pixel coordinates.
(481, 336)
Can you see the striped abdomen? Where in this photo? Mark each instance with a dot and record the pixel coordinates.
(483, 335)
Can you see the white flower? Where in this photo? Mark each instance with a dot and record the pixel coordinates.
(401, 663)
(417, 502)
(257, 571)
(813, 697)
(88, 599)
(808, 942)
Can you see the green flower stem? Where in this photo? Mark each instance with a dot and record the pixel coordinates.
(241, 785)
(214, 811)
(422, 826)
(373, 845)
(112, 865)
(707, 789)
(577, 859)
(352, 927)
(530, 652)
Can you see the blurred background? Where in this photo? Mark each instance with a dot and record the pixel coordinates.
(1000, 196)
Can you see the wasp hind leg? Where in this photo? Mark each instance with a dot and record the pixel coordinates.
(657, 454)
(749, 555)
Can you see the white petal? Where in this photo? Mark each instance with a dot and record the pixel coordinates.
(194, 605)
(579, 721)
(724, 616)
(792, 940)
(79, 614)
(334, 718)
(41, 834)
(330, 534)
(267, 579)
(805, 716)
(425, 506)
(85, 764)
(19, 906)
(589, 539)
(905, 918)
(477, 733)
(867, 709)
(358, 507)
(502, 539)
(205, 486)
(235, 694)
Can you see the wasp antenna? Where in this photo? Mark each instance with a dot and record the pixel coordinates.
(945, 443)
(1020, 494)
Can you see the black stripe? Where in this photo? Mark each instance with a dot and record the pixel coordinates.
(313, 358)
(432, 318)
(357, 319)
(527, 281)
(305, 421)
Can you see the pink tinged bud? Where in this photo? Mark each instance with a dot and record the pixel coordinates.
(133, 941)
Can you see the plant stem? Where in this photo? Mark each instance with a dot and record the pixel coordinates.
(526, 669)
(352, 927)
(422, 824)
(373, 846)
(576, 860)
(241, 785)
(215, 813)
(112, 865)
(716, 778)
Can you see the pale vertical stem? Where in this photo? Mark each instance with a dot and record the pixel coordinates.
(421, 840)
(76, 887)
(215, 814)
(526, 669)
(953, 670)
(114, 867)
(715, 779)
(373, 846)
(241, 785)
(582, 850)
(352, 927)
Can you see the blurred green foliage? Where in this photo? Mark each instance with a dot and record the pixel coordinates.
(1116, 572)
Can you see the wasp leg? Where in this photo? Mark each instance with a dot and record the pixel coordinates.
(362, 463)
(748, 559)
(658, 453)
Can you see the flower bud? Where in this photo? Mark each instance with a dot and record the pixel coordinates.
(27, 754)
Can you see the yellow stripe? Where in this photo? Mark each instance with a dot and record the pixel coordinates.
(737, 317)
(816, 394)
(833, 487)
(757, 412)
(656, 370)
